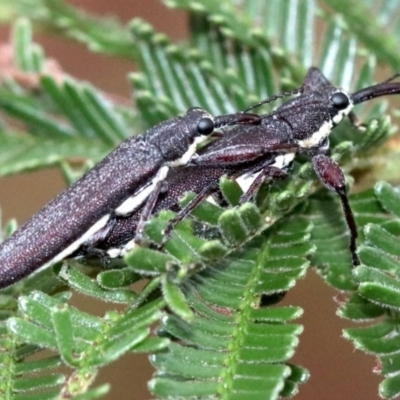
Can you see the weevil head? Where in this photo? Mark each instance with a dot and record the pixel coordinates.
(199, 122)
(312, 115)
(180, 137)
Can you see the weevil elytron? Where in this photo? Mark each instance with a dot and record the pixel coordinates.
(252, 154)
(115, 188)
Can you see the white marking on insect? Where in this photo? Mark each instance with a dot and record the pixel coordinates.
(325, 129)
(134, 202)
(211, 200)
(115, 252)
(317, 137)
(128, 247)
(121, 251)
(96, 227)
(246, 180)
(189, 152)
(281, 161)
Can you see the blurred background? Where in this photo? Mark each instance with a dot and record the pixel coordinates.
(337, 370)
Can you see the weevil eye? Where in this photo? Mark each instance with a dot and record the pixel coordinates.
(205, 126)
(340, 101)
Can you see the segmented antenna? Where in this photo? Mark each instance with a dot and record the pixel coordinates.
(392, 78)
(276, 97)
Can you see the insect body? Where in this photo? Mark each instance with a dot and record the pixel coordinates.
(121, 238)
(301, 125)
(252, 154)
(128, 186)
(129, 176)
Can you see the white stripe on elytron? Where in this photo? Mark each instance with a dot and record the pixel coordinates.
(134, 202)
(126, 207)
(189, 152)
(96, 227)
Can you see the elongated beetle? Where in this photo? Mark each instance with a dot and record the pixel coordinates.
(252, 154)
(129, 176)
(301, 125)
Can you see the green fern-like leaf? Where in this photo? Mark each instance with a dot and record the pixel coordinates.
(377, 37)
(84, 342)
(373, 288)
(99, 34)
(74, 116)
(377, 298)
(232, 343)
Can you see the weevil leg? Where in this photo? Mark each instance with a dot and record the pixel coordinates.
(92, 252)
(269, 171)
(265, 171)
(203, 194)
(147, 211)
(351, 223)
(356, 122)
(332, 177)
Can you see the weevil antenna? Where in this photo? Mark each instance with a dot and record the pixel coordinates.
(392, 78)
(275, 97)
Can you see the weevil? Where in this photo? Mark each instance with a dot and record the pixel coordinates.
(256, 150)
(252, 154)
(128, 177)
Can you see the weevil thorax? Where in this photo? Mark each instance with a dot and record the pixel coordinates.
(314, 114)
(180, 136)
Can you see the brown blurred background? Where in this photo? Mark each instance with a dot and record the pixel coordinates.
(337, 370)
